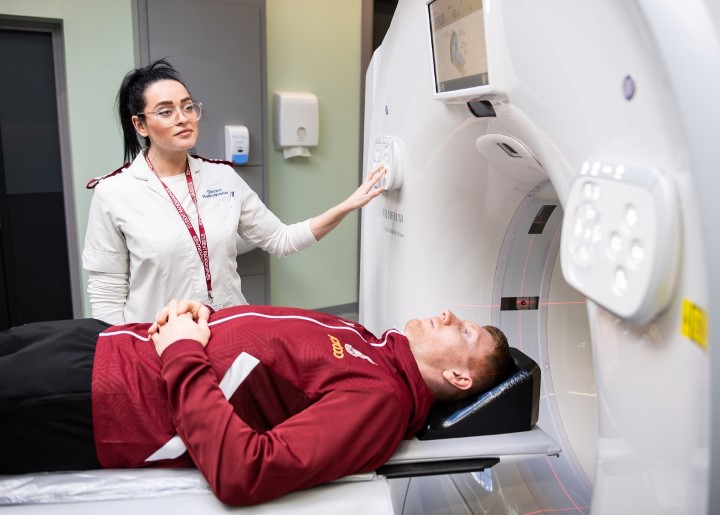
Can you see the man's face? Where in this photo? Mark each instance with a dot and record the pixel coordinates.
(446, 341)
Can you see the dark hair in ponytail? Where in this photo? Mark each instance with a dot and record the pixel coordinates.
(131, 100)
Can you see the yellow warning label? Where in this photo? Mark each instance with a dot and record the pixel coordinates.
(694, 323)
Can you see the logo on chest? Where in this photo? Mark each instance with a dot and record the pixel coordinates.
(338, 350)
(215, 193)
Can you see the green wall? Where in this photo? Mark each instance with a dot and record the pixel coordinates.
(314, 46)
(99, 50)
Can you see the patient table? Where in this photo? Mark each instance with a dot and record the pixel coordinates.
(467, 436)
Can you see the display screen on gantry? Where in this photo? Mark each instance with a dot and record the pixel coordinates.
(457, 31)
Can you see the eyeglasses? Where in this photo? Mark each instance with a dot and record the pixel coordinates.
(169, 115)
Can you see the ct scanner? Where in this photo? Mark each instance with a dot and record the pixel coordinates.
(550, 172)
(541, 179)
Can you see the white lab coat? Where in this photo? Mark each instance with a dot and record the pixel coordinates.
(139, 252)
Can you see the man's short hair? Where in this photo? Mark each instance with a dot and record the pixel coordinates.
(495, 367)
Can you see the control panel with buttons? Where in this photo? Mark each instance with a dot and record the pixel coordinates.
(389, 152)
(621, 239)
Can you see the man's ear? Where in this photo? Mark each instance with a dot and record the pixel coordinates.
(460, 379)
(139, 126)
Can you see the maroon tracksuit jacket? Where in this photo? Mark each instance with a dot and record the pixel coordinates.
(281, 399)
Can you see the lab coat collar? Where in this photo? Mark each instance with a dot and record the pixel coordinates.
(195, 164)
(141, 171)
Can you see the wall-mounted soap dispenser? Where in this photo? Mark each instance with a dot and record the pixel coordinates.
(295, 123)
(237, 144)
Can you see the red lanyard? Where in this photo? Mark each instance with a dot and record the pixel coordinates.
(200, 242)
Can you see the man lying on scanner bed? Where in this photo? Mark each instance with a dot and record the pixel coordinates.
(262, 400)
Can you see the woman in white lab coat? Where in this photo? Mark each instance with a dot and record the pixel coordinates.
(164, 226)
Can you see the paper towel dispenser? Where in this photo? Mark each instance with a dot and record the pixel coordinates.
(295, 122)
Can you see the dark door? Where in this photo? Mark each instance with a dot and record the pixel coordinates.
(34, 244)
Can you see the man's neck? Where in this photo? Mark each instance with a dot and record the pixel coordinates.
(430, 375)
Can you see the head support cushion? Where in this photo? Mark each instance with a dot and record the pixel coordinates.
(509, 407)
